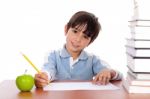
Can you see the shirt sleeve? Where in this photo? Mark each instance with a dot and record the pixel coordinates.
(98, 65)
(118, 76)
(50, 66)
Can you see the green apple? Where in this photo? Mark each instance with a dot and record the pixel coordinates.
(25, 82)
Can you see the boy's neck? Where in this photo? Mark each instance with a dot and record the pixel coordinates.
(75, 55)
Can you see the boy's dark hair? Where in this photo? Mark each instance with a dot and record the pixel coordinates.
(80, 18)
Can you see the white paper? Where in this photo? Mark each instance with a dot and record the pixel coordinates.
(78, 86)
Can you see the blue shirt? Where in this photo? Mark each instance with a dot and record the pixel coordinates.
(58, 66)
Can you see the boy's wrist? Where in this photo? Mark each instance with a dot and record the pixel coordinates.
(113, 74)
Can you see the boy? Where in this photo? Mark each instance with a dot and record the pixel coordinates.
(72, 62)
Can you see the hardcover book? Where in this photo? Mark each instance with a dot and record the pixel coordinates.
(140, 36)
(137, 82)
(139, 29)
(138, 75)
(140, 9)
(138, 43)
(138, 64)
(138, 52)
(139, 22)
(135, 89)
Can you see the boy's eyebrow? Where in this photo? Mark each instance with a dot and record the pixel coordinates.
(77, 29)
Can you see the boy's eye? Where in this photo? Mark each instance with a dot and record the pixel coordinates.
(86, 37)
(75, 31)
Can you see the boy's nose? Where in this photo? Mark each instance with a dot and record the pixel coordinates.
(78, 39)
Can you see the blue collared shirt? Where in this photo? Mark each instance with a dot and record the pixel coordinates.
(58, 66)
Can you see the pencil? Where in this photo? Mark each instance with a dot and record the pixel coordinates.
(30, 63)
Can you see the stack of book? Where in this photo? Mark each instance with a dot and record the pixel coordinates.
(138, 53)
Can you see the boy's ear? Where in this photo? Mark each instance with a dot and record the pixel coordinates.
(65, 30)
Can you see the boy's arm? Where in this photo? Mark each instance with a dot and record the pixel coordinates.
(103, 72)
(105, 75)
(115, 75)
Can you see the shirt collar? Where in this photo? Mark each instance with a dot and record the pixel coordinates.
(64, 54)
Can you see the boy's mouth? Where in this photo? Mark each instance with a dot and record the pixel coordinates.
(75, 45)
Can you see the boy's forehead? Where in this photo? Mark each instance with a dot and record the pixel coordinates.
(81, 27)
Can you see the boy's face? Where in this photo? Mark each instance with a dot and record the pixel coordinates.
(76, 40)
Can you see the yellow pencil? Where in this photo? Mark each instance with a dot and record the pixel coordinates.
(30, 63)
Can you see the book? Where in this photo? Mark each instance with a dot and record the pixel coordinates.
(138, 52)
(138, 43)
(140, 22)
(138, 64)
(137, 82)
(140, 76)
(140, 10)
(139, 29)
(135, 89)
(140, 36)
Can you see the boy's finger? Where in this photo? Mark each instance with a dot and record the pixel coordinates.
(39, 84)
(107, 80)
(41, 76)
(95, 79)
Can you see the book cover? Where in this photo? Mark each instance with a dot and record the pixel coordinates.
(135, 89)
(138, 52)
(139, 75)
(138, 64)
(138, 43)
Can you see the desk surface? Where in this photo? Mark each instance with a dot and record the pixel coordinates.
(8, 90)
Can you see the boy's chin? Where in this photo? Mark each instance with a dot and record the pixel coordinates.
(76, 50)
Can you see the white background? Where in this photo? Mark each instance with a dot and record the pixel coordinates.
(35, 27)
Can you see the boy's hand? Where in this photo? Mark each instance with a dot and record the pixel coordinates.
(103, 77)
(41, 79)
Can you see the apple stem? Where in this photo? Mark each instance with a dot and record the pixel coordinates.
(25, 71)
